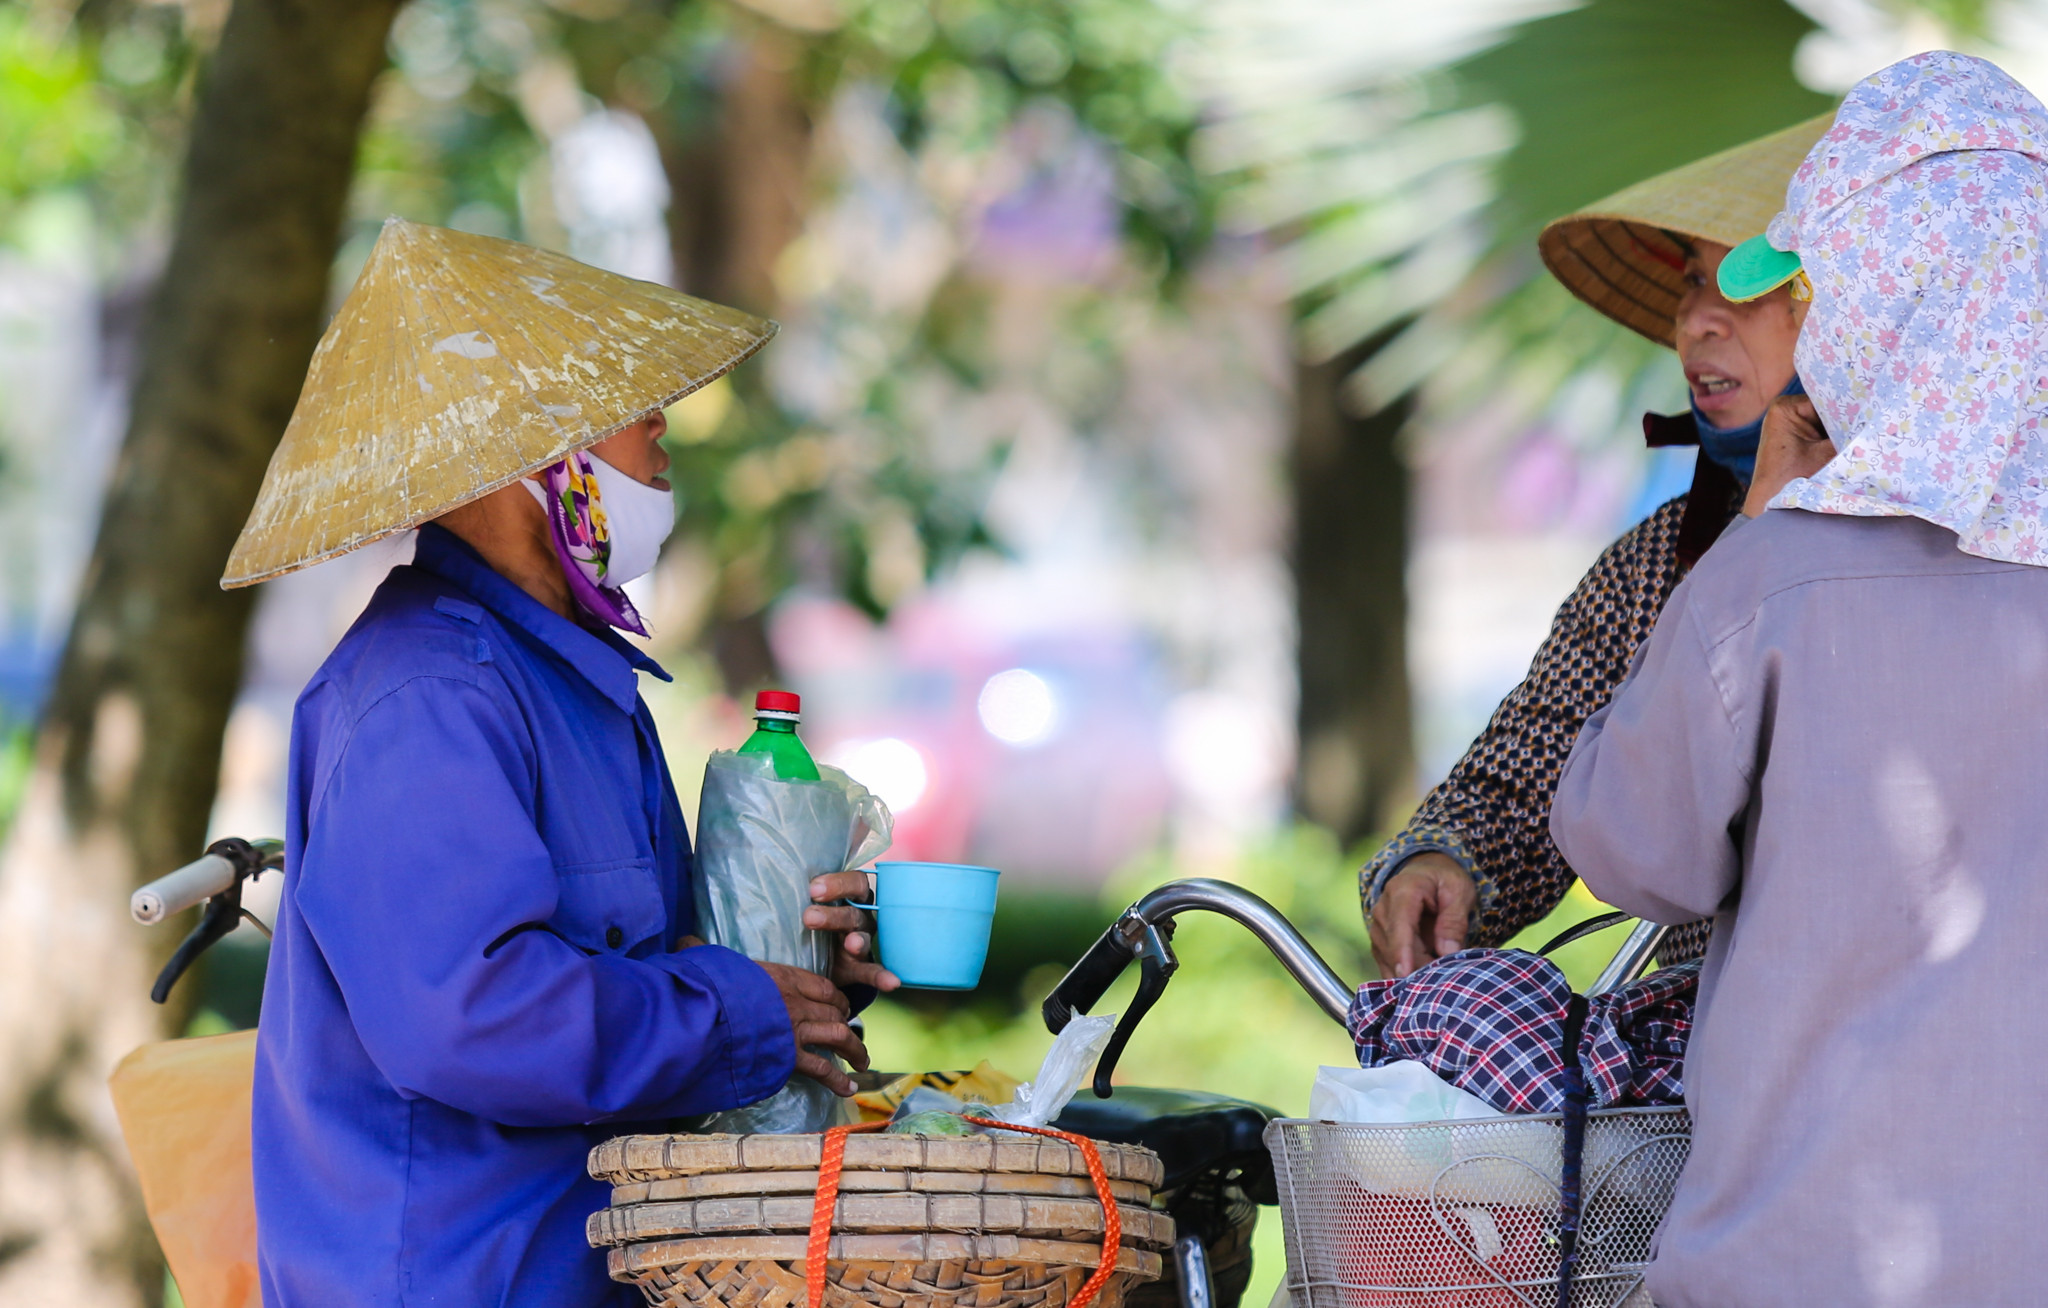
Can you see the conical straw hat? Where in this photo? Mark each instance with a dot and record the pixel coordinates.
(458, 364)
(1620, 255)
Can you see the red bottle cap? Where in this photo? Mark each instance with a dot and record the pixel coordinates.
(778, 701)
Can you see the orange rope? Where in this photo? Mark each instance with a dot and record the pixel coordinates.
(1112, 1218)
(832, 1161)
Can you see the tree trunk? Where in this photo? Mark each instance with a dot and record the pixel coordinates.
(128, 754)
(1351, 497)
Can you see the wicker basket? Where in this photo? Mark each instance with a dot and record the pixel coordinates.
(918, 1221)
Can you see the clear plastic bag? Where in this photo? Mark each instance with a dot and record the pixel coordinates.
(1034, 1103)
(1067, 1064)
(1404, 1091)
(760, 840)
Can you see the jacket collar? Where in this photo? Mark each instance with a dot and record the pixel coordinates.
(603, 657)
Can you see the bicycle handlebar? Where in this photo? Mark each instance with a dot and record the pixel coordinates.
(215, 877)
(1143, 933)
(1126, 940)
(202, 878)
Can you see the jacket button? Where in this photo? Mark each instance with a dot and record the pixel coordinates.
(613, 937)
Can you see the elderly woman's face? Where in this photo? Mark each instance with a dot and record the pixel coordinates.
(636, 450)
(1737, 357)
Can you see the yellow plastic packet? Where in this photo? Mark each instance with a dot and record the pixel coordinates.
(184, 1110)
(983, 1085)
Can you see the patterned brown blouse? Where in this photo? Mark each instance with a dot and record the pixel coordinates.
(1492, 813)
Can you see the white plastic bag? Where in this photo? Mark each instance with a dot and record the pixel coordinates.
(1495, 1158)
(1067, 1064)
(1038, 1101)
(760, 840)
(1406, 1091)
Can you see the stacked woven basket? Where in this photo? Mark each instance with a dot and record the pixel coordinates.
(726, 1221)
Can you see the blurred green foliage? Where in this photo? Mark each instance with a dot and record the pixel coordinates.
(967, 67)
(17, 760)
(447, 142)
(56, 128)
(94, 105)
(873, 497)
(1410, 194)
(1971, 18)
(1616, 91)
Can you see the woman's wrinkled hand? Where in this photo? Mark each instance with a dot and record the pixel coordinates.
(819, 1014)
(852, 962)
(1424, 913)
(1793, 445)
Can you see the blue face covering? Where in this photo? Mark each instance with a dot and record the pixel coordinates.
(1734, 448)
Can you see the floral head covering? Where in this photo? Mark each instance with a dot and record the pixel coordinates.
(1919, 217)
(583, 541)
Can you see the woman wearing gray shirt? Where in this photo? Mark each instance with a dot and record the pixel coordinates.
(1836, 743)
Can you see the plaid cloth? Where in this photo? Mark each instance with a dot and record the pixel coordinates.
(1491, 1022)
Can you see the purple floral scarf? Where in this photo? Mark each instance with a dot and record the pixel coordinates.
(583, 542)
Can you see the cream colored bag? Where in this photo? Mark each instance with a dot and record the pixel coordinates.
(184, 1109)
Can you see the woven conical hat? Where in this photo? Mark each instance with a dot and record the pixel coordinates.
(458, 364)
(1619, 255)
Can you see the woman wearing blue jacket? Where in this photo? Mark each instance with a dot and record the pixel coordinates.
(484, 961)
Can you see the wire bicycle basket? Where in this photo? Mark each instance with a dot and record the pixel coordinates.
(1464, 1214)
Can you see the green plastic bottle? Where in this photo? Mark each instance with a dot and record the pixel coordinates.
(776, 713)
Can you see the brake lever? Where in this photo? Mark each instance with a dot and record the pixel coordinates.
(224, 911)
(1156, 966)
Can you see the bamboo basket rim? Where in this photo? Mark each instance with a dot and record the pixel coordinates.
(713, 1185)
(632, 1158)
(1037, 1217)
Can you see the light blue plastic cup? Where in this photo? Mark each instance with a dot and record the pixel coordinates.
(933, 922)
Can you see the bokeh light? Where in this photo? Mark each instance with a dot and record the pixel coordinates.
(894, 769)
(1017, 707)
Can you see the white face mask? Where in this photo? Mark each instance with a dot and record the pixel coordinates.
(640, 517)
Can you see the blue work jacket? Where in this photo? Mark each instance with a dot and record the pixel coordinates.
(471, 982)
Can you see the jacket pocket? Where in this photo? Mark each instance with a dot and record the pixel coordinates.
(608, 908)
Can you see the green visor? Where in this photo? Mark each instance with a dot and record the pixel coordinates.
(1755, 268)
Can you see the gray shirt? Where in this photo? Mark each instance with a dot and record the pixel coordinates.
(1836, 744)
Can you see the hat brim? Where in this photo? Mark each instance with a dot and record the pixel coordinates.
(1754, 269)
(1625, 255)
(1631, 271)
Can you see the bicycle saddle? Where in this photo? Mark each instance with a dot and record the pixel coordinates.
(1192, 1133)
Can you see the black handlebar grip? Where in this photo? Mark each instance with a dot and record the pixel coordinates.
(1087, 981)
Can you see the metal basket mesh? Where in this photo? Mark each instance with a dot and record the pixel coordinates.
(1465, 1214)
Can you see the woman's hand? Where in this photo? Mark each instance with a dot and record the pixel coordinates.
(818, 1013)
(851, 963)
(1423, 914)
(1793, 445)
